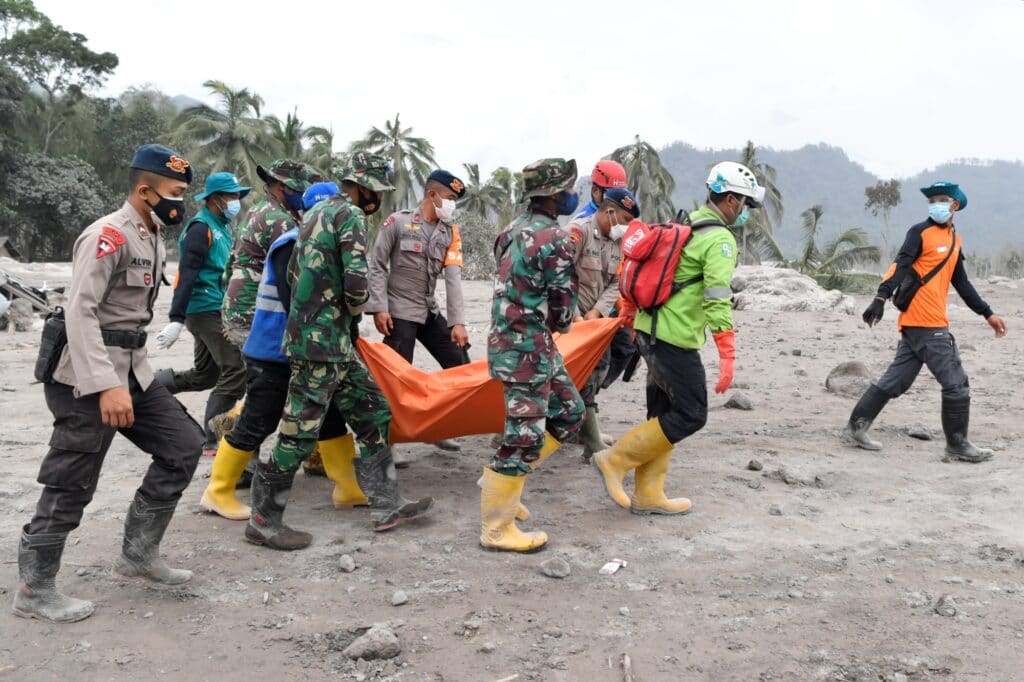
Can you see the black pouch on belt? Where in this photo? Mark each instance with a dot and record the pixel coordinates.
(54, 338)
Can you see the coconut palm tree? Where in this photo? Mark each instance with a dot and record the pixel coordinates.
(413, 159)
(648, 179)
(757, 242)
(830, 264)
(290, 134)
(233, 136)
(320, 152)
(506, 188)
(766, 176)
(480, 198)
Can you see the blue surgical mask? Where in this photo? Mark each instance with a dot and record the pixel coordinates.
(567, 203)
(232, 208)
(941, 211)
(294, 201)
(742, 218)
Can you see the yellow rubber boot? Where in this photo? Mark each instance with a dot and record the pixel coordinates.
(219, 496)
(550, 445)
(338, 455)
(314, 464)
(639, 445)
(499, 500)
(649, 495)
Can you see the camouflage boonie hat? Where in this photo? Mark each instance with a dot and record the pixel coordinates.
(294, 174)
(372, 171)
(548, 176)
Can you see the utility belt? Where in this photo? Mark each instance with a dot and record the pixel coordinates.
(132, 339)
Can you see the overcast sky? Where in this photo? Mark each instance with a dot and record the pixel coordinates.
(900, 85)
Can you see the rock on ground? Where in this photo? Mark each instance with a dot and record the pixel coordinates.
(379, 642)
(762, 287)
(849, 379)
(555, 568)
(738, 401)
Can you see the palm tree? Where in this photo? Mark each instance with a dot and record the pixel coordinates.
(413, 159)
(506, 188)
(230, 137)
(290, 134)
(830, 264)
(648, 179)
(480, 199)
(320, 153)
(756, 237)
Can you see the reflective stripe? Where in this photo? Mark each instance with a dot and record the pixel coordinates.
(268, 290)
(717, 293)
(270, 305)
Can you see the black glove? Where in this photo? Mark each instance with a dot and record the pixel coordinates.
(353, 327)
(874, 312)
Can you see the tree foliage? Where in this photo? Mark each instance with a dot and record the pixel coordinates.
(648, 180)
(412, 157)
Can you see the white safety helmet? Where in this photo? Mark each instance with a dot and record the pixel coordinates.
(729, 176)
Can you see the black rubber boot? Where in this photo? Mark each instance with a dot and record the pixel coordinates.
(956, 415)
(590, 436)
(37, 596)
(863, 415)
(165, 377)
(379, 482)
(144, 528)
(215, 405)
(270, 489)
(245, 481)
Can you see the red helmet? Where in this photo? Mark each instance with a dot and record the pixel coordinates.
(609, 174)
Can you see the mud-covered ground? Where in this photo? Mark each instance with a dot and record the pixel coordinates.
(831, 570)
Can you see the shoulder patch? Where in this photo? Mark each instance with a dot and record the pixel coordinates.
(390, 219)
(576, 234)
(109, 242)
(727, 250)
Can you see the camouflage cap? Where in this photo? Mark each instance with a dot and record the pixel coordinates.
(548, 176)
(294, 174)
(372, 171)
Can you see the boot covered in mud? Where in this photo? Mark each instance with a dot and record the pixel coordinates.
(863, 416)
(956, 416)
(591, 437)
(37, 596)
(144, 528)
(378, 480)
(339, 456)
(270, 490)
(219, 497)
(637, 446)
(499, 503)
(649, 494)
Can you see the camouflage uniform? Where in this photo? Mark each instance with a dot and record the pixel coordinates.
(328, 275)
(534, 295)
(262, 225)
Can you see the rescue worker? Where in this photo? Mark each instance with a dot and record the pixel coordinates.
(597, 257)
(267, 388)
(204, 246)
(607, 174)
(932, 250)
(328, 278)
(413, 249)
(103, 385)
(677, 397)
(534, 296)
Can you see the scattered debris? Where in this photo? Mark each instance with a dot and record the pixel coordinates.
(920, 432)
(399, 598)
(755, 465)
(738, 401)
(555, 567)
(612, 566)
(775, 509)
(378, 642)
(946, 606)
(346, 563)
(849, 379)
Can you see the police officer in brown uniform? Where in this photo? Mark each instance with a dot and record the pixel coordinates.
(102, 385)
(597, 256)
(413, 249)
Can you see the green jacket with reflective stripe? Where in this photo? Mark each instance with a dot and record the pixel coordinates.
(711, 254)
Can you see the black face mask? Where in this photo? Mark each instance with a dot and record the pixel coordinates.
(369, 202)
(168, 211)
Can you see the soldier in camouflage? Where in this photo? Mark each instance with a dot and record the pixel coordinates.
(534, 296)
(279, 211)
(328, 277)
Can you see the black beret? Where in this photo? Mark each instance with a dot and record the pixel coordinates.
(453, 183)
(158, 159)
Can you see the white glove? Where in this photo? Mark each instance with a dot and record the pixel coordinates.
(169, 335)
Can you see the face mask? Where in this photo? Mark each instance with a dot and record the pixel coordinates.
(742, 218)
(294, 201)
(567, 203)
(167, 211)
(617, 231)
(446, 211)
(369, 204)
(232, 208)
(941, 211)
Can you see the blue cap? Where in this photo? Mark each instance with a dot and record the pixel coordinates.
(156, 158)
(448, 180)
(222, 183)
(949, 189)
(317, 192)
(624, 198)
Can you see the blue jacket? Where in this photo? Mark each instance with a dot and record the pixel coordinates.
(587, 211)
(271, 315)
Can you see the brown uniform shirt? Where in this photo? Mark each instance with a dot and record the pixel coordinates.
(597, 261)
(115, 276)
(408, 257)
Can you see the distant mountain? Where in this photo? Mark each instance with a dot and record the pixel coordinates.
(183, 102)
(821, 174)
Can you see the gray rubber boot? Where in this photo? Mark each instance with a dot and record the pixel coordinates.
(379, 482)
(37, 596)
(956, 416)
(591, 437)
(270, 489)
(144, 528)
(863, 416)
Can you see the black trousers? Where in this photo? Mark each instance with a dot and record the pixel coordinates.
(70, 470)
(677, 392)
(934, 347)
(265, 395)
(435, 336)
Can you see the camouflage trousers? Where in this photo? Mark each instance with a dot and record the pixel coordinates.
(530, 409)
(315, 386)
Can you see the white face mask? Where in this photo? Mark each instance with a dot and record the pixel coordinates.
(446, 211)
(618, 231)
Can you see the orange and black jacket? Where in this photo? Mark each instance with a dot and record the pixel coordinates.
(925, 247)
